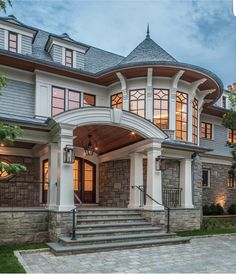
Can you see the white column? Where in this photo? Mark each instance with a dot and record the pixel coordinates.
(125, 99)
(136, 179)
(52, 161)
(186, 183)
(154, 182)
(65, 184)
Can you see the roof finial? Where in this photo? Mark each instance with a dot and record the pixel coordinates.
(148, 35)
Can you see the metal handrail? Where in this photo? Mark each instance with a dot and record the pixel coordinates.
(73, 237)
(165, 207)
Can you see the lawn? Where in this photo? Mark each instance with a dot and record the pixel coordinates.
(212, 226)
(8, 262)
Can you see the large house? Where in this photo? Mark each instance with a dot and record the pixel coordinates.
(139, 122)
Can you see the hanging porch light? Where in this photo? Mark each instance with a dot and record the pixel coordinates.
(160, 163)
(91, 147)
(68, 155)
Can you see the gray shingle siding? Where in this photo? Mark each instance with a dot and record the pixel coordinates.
(79, 60)
(2, 34)
(18, 98)
(56, 53)
(26, 47)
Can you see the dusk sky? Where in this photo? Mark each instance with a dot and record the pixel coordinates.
(199, 32)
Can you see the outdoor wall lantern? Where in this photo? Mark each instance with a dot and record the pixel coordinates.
(68, 155)
(160, 163)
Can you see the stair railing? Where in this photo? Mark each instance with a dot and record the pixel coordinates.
(141, 189)
(73, 235)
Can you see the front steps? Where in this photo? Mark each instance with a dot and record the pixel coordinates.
(103, 229)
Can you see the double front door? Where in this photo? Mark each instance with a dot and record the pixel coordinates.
(85, 180)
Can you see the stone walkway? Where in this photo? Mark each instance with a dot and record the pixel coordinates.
(208, 255)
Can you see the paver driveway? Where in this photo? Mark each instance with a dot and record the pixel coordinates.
(211, 255)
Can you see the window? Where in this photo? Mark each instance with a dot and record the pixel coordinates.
(73, 99)
(137, 102)
(89, 100)
(12, 42)
(231, 181)
(223, 101)
(195, 121)
(206, 129)
(117, 100)
(206, 177)
(231, 136)
(181, 116)
(69, 58)
(58, 100)
(45, 181)
(161, 108)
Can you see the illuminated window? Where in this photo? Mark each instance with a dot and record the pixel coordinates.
(12, 42)
(69, 58)
(73, 99)
(231, 136)
(58, 100)
(206, 129)
(88, 177)
(195, 121)
(45, 181)
(137, 101)
(231, 181)
(76, 175)
(3, 174)
(161, 108)
(181, 116)
(117, 100)
(206, 177)
(89, 100)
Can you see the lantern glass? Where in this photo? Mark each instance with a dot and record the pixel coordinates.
(68, 155)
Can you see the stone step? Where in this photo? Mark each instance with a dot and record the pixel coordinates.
(107, 215)
(112, 239)
(110, 220)
(117, 232)
(114, 225)
(59, 249)
(111, 210)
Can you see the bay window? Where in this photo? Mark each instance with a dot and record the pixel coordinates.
(137, 101)
(161, 108)
(181, 116)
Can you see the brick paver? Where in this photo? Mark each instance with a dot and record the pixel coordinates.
(209, 255)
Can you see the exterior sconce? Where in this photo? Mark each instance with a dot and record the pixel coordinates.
(68, 155)
(160, 163)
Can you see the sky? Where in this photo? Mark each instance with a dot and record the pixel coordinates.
(198, 32)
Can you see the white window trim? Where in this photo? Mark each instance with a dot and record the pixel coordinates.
(213, 131)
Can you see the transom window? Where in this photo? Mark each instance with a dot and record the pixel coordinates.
(231, 180)
(181, 116)
(206, 177)
(73, 99)
(195, 121)
(206, 129)
(137, 101)
(117, 100)
(58, 100)
(89, 100)
(231, 136)
(161, 108)
(12, 42)
(69, 58)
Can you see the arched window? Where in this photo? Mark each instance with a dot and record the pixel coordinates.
(161, 108)
(195, 121)
(137, 101)
(181, 116)
(117, 100)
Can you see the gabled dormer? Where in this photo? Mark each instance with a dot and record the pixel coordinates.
(16, 36)
(66, 51)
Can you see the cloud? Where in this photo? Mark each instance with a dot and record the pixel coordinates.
(199, 32)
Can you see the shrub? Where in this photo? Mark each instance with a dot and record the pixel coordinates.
(232, 209)
(213, 209)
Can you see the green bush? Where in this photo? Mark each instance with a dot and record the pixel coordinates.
(232, 209)
(213, 209)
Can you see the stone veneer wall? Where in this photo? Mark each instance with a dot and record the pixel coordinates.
(197, 182)
(218, 192)
(114, 183)
(21, 190)
(23, 226)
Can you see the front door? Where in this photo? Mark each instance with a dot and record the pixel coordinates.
(85, 180)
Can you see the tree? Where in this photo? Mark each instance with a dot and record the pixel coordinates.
(229, 121)
(8, 133)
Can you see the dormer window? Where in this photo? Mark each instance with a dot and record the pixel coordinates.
(69, 58)
(12, 41)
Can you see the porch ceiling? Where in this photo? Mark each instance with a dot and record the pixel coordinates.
(18, 144)
(108, 138)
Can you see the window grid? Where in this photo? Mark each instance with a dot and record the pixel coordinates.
(181, 116)
(206, 130)
(89, 100)
(58, 100)
(12, 42)
(232, 136)
(74, 99)
(137, 102)
(231, 180)
(117, 100)
(69, 58)
(206, 174)
(195, 121)
(161, 108)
